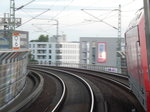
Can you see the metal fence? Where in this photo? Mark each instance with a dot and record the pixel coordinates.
(12, 75)
(111, 69)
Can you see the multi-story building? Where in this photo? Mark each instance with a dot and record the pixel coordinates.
(57, 50)
(100, 51)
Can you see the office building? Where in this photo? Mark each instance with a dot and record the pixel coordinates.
(57, 50)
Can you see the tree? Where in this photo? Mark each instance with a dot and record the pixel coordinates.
(42, 38)
(31, 58)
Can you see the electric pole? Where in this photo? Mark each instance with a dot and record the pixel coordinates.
(119, 28)
(12, 16)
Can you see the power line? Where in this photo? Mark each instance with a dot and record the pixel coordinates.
(100, 20)
(24, 5)
(35, 17)
(63, 9)
(35, 8)
(128, 3)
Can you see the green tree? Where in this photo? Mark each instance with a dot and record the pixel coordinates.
(34, 40)
(31, 58)
(42, 38)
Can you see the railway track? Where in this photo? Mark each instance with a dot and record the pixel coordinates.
(116, 78)
(130, 103)
(79, 96)
(52, 95)
(30, 92)
(109, 97)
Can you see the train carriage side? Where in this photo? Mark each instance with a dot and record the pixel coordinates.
(137, 61)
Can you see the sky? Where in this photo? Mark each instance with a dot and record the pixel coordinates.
(76, 18)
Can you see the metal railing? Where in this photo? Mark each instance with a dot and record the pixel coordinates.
(111, 69)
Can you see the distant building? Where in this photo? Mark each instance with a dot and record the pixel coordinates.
(59, 38)
(57, 50)
(99, 51)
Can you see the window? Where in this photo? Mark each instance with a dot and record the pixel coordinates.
(41, 56)
(41, 51)
(58, 51)
(58, 57)
(41, 46)
(93, 44)
(50, 62)
(50, 51)
(58, 45)
(50, 45)
(58, 62)
(33, 45)
(84, 54)
(50, 57)
(84, 46)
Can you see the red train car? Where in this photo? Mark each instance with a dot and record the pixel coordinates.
(137, 60)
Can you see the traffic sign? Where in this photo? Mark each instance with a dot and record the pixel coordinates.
(16, 41)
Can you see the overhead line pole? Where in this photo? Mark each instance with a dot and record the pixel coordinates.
(101, 20)
(12, 22)
(119, 28)
(57, 24)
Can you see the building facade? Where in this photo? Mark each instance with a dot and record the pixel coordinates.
(99, 51)
(55, 51)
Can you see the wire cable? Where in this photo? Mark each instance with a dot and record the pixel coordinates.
(63, 9)
(34, 17)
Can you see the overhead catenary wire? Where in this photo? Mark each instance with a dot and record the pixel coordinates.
(24, 5)
(62, 9)
(35, 17)
(100, 20)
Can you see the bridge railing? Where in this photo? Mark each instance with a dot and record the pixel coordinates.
(110, 69)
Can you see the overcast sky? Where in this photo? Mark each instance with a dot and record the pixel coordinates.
(72, 20)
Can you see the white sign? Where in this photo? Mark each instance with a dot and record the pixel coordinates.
(16, 41)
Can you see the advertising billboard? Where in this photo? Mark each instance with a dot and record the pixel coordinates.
(102, 55)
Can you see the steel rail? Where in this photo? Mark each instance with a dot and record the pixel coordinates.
(106, 78)
(63, 85)
(108, 75)
(83, 80)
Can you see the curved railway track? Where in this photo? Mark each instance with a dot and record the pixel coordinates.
(116, 78)
(51, 96)
(109, 97)
(117, 93)
(79, 96)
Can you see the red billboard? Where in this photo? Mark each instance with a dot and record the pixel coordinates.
(101, 52)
